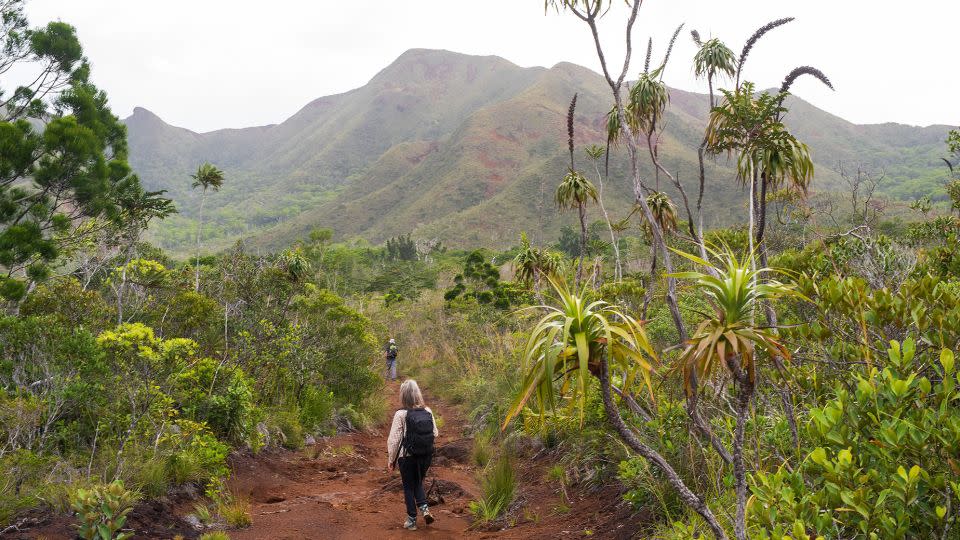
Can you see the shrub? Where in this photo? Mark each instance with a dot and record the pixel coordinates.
(102, 511)
(883, 464)
(220, 396)
(316, 409)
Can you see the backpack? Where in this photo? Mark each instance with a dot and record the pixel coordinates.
(392, 352)
(418, 436)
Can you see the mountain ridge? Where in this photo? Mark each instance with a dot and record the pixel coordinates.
(437, 138)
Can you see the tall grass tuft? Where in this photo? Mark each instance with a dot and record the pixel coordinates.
(499, 486)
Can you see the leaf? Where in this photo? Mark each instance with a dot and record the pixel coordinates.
(946, 360)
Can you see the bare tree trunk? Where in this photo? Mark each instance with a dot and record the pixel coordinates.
(617, 269)
(634, 442)
(203, 200)
(744, 397)
(582, 211)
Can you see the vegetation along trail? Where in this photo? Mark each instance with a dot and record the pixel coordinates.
(341, 488)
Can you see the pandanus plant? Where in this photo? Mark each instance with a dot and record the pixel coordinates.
(531, 264)
(582, 338)
(729, 340)
(567, 345)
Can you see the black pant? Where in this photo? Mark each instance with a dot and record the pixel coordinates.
(413, 469)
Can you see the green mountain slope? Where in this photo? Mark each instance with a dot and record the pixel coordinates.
(466, 149)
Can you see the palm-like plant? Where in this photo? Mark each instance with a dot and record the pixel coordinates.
(579, 338)
(531, 263)
(713, 58)
(567, 345)
(574, 192)
(664, 212)
(768, 154)
(207, 177)
(730, 339)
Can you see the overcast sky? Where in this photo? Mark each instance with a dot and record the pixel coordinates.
(208, 64)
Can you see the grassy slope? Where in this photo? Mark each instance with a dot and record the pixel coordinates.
(459, 147)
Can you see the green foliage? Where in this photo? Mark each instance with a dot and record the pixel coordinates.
(401, 248)
(65, 154)
(751, 125)
(883, 465)
(219, 396)
(734, 292)
(102, 511)
(567, 345)
(480, 282)
(498, 485)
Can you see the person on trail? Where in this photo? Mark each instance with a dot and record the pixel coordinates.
(391, 354)
(410, 449)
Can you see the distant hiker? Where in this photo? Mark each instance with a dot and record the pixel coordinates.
(410, 448)
(391, 353)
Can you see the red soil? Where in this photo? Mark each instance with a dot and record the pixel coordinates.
(340, 488)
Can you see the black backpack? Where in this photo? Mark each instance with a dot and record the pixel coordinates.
(392, 352)
(418, 438)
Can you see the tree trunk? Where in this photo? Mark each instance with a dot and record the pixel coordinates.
(582, 211)
(648, 294)
(196, 282)
(744, 397)
(634, 442)
(615, 86)
(617, 268)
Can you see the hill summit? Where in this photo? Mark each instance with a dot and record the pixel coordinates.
(467, 149)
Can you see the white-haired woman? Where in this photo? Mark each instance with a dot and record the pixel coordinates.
(410, 449)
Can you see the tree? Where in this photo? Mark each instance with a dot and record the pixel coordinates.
(531, 263)
(574, 192)
(665, 217)
(595, 152)
(579, 338)
(729, 340)
(713, 58)
(206, 177)
(589, 12)
(64, 154)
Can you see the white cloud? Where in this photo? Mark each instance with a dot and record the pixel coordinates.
(207, 64)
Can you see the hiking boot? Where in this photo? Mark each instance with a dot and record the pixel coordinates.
(427, 516)
(410, 524)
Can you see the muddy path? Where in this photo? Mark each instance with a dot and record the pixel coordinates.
(341, 488)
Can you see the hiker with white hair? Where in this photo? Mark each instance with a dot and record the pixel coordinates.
(391, 356)
(410, 449)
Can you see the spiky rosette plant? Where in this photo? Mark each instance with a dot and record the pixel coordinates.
(730, 337)
(663, 210)
(729, 340)
(566, 346)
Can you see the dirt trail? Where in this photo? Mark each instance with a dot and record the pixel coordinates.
(346, 491)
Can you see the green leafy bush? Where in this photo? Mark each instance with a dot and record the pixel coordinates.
(884, 465)
(102, 511)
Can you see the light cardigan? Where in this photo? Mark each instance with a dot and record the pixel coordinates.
(398, 430)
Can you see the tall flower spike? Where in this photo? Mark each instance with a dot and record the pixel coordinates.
(753, 40)
(696, 38)
(804, 70)
(573, 106)
(666, 57)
